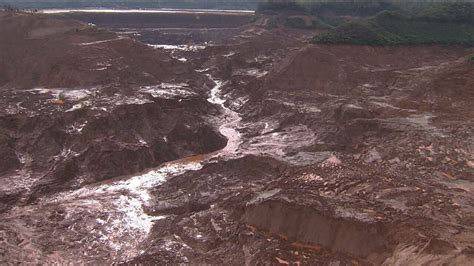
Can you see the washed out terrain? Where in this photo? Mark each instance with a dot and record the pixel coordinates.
(227, 138)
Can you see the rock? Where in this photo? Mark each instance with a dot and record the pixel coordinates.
(373, 156)
(351, 111)
(470, 164)
(331, 162)
(394, 160)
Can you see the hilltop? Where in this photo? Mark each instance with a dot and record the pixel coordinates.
(449, 24)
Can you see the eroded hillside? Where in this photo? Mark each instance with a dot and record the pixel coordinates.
(335, 154)
(81, 104)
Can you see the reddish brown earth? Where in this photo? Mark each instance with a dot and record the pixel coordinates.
(344, 155)
(77, 105)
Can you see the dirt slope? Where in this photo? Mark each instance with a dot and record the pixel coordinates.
(80, 104)
(395, 125)
(41, 51)
(341, 155)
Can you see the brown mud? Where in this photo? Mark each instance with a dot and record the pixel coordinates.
(335, 155)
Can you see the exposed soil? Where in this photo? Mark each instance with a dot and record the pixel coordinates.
(335, 154)
(82, 105)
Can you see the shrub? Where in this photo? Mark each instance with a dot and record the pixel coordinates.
(393, 28)
(449, 12)
(280, 6)
(296, 22)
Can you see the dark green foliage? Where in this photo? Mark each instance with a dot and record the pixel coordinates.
(450, 12)
(321, 7)
(296, 22)
(348, 8)
(394, 28)
(300, 23)
(355, 33)
(280, 6)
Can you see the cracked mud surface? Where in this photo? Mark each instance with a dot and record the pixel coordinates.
(242, 146)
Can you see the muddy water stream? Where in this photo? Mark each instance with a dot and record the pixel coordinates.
(116, 209)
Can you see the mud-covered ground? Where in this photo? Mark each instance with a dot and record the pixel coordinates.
(115, 148)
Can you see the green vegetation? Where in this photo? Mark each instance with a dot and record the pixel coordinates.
(301, 23)
(280, 5)
(440, 24)
(296, 22)
(361, 8)
(348, 8)
(462, 12)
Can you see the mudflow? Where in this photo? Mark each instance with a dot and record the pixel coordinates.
(220, 138)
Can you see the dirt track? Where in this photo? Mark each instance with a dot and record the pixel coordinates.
(344, 154)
